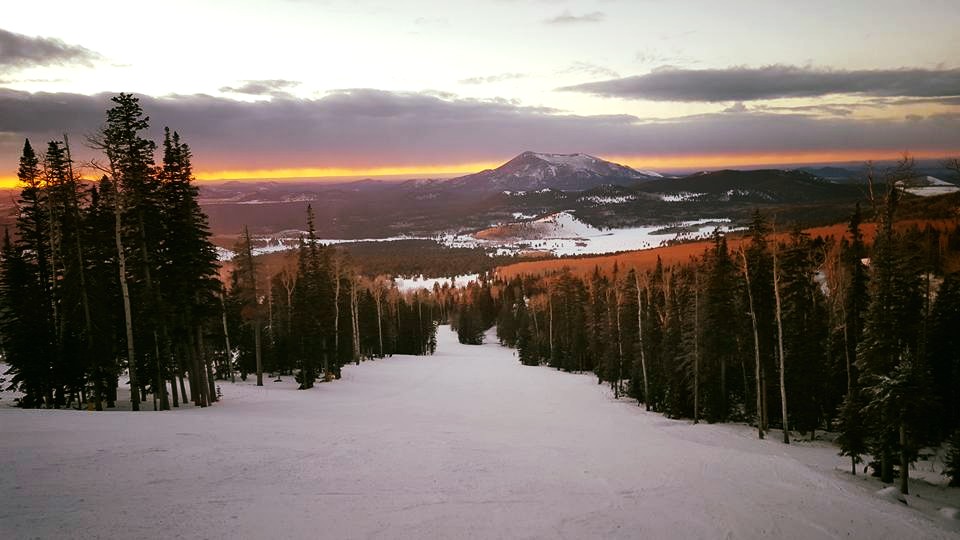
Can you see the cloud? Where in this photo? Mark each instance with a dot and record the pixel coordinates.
(569, 18)
(374, 128)
(493, 78)
(653, 56)
(737, 107)
(269, 87)
(775, 81)
(590, 69)
(18, 51)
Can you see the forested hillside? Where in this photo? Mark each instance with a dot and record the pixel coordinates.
(799, 334)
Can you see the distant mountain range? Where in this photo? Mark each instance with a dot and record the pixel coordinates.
(532, 184)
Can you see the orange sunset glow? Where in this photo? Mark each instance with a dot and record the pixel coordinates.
(665, 163)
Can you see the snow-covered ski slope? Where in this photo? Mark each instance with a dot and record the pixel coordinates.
(464, 444)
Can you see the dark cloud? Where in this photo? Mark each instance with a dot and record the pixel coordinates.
(364, 128)
(493, 78)
(18, 51)
(776, 81)
(737, 107)
(569, 18)
(270, 87)
(825, 109)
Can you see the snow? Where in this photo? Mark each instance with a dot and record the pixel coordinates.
(619, 199)
(933, 190)
(681, 196)
(464, 444)
(286, 242)
(420, 282)
(580, 161)
(563, 234)
(950, 513)
(467, 443)
(892, 494)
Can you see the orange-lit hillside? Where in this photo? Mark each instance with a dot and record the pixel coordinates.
(647, 259)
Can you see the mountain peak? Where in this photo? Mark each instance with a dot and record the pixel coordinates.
(530, 171)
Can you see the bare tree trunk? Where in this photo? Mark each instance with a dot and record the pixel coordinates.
(226, 338)
(161, 386)
(766, 400)
(423, 345)
(380, 324)
(210, 387)
(696, 348)
(173, 391)
(643, 357)
(756, 343)
(783, 386)
(354, 316)
(256, 346)
(336, 264)
(616, 307)
(192, 371)
(125, 292)
(183, 389)
(904, 461)
(378, 292)
(550, 305)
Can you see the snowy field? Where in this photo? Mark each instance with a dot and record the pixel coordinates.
(465, 444)
(563, 234)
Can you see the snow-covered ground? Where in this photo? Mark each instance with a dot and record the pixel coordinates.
(929, 186)
(420, 282)
(287, 240)
(464, 444)
(563, 233)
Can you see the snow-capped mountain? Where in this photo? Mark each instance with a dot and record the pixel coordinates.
(531, 171)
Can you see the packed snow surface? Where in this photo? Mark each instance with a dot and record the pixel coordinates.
(464, 444)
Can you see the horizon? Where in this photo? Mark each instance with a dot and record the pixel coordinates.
(441, 173)
(424, 88)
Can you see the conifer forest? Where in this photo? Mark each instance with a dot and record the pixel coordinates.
(118, 275)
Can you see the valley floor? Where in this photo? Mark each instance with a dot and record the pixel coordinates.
(464, 444)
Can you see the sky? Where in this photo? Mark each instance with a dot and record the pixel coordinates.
(317, 88)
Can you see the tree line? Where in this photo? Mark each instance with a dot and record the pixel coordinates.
(119, 275)
(786, 331)
(319, 312)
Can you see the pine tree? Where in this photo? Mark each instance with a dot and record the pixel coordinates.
(719, 346)
(247, 290)
(131, 165)
(853, 433)
(526, 349)
(29, 323)
(891, 372)
(188, 285)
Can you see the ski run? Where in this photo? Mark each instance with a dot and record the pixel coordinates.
(467, 443)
